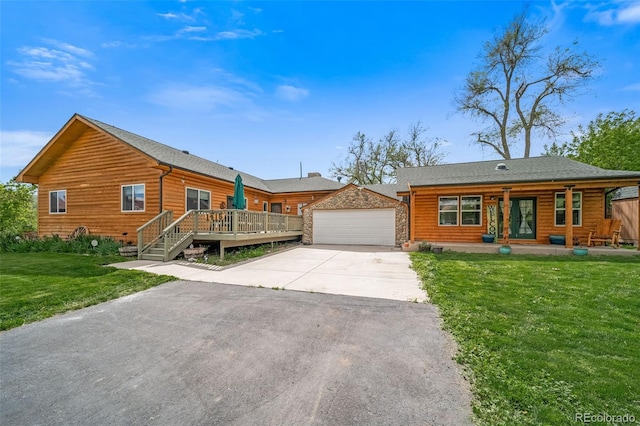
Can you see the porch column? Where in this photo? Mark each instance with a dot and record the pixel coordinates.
(505, 216)
(412, 214)
(568, 216)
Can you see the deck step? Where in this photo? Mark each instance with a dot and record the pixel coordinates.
(148, 256)
(155, 250)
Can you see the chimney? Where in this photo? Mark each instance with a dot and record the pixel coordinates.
(314, 174)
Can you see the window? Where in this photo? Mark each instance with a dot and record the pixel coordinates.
(561, 209)
(58, 201)
(448, 210)
(265, 206)
(133, 198)
(198, 199)
(471, 210)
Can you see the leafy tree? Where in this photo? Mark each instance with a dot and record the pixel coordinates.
(18, 212)
(370, 162)
(610, 142)
(518, 86)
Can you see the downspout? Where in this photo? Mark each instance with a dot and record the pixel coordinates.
(161, 190)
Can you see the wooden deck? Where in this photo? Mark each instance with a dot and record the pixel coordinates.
(163, 239)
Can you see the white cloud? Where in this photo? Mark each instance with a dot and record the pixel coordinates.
(630, 15)
(193, 29)
(198, 97)
(117, 43)
(65, 64)
(624, 14)
(182, 16)
(291, 93)
(237, 17)
(238, 34)
(632, 87)
(77, 51)
(20, 146)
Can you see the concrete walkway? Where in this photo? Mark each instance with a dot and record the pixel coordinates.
(378, 272)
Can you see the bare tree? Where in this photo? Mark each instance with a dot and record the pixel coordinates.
(370, 162)
(517, 87)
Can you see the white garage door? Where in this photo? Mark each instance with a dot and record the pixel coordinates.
(355, 226)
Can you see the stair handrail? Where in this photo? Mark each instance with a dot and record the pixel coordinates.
(172, 236)
(160, 221)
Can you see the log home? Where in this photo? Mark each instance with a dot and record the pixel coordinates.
(545, 196)
(112, 181)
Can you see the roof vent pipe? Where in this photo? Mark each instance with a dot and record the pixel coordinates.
(502, 166)
(185, 151)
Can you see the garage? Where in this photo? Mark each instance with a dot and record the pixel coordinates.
(355, 227)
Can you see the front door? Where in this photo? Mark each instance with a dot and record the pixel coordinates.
(522, 218)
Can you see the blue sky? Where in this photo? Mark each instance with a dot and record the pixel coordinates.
(263, 86)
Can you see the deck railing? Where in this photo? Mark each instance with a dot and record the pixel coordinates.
(243, 222)
(150, 232)
(181, 232)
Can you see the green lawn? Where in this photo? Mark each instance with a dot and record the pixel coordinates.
(34, 286)
(541, 338)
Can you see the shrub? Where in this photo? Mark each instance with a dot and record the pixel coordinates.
(425, 247)
(10, 243)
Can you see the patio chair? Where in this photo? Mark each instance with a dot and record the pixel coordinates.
(607, 231)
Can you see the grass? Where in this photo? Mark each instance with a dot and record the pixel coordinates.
(34, 286)
(541, 338)
(240, 254)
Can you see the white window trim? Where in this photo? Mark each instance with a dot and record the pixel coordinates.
(186, 198)
(478, 211)
(65, 201)
(555, 209)
(133, 210)
(457, 212)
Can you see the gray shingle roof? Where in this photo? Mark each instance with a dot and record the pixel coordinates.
(626, 192)
(390, 190)
(176, 158)
(314, 183)
(534, 169)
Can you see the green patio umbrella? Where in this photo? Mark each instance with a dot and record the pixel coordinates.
(238, 194)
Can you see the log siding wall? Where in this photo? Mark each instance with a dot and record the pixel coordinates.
(427, 227)
(92, 171)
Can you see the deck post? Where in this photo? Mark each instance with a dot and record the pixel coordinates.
(140, 244)
(506, 209)
(265, 219)
(234, 223)
(195, 222)
(568, 216)
(286, 223)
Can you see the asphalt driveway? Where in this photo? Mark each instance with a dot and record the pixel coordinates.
(200, 353)
(367, 271)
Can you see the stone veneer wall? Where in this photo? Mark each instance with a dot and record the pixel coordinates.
(354, 198)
